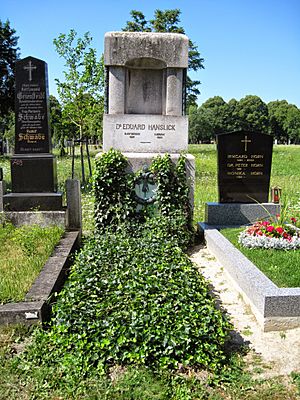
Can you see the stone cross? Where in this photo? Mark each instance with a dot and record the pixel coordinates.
(29, 68)
(246, 141)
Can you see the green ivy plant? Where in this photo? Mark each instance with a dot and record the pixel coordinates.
(114, 190)
(112, 187)
(133, 296)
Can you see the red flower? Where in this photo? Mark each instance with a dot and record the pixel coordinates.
(265, 223)
(270, 228)
(294, 220)
(279, 230)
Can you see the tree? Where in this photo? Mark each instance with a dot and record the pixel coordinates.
(253, 114)
(218, 110)
(168, 21)
(82, 91)
(56, 123)
(277, 113)
(8, 56)
(292, 124)
(200, 125)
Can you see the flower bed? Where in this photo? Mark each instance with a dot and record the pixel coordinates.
(273, 234)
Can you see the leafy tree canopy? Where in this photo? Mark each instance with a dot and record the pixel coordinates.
(168, 21)
(82, 90)
(8, 56)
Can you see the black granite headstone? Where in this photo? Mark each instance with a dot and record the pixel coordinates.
(244, 167)
(33, 167)
(32, 107)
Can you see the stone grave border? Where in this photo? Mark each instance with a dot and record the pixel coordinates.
(37, 305)
(274, 308)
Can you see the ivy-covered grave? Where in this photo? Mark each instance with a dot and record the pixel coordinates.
(133, 296)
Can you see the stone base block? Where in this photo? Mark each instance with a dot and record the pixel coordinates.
(33, 173)
(33, 201)
(42, 218)
(237, 214)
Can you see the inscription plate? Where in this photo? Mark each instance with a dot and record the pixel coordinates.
(145, 133)
(32, 107)
(244, 167)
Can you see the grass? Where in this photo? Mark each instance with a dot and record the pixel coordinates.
(23, 252)
(282, 267)
(285, 173)
(143, 384)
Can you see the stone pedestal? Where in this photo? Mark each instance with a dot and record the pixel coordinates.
(237, 214)
(33, 173)
(32, 202)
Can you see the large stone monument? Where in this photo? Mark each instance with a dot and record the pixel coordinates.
(145, 96)
(33, 167)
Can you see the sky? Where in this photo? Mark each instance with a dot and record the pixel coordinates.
(250, 47)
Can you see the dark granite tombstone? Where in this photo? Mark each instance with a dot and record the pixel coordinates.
(33, 167)
(244, 167)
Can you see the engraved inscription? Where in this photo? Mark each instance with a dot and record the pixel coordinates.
(242, 165)
(134, 131)
(32, 107)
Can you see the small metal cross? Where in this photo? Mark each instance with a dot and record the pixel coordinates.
(29, 68)
(246, 141)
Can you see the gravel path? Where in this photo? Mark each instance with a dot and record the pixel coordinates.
(277, 352)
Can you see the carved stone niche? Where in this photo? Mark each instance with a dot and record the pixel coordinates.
(145, 86)
(145, 92)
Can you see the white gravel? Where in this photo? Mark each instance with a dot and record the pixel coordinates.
(277, 352)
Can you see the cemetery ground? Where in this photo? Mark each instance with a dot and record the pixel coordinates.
(259, 379)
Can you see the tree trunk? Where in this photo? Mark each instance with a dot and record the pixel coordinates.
(81, 155)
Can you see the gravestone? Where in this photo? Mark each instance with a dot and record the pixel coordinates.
(145, 97)
(244, 169)
(33, 167)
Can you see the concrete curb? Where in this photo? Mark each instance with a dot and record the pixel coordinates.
(36, 307)
(275, 308)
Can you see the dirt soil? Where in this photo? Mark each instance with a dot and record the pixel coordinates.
(277, 353)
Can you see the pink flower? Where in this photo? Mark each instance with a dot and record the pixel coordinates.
(265, 223)
(270, 228)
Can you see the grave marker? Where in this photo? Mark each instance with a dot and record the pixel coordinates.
(33, 167)
(244, 167)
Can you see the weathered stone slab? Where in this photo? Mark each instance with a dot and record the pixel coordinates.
(42, 218)
(122, 47)
(145, 133)
(22, 313)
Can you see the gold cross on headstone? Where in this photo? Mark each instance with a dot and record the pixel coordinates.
(246, 141)
(29, 68)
